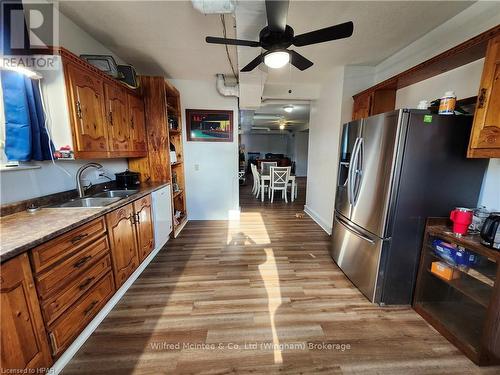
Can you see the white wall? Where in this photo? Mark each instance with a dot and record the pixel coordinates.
(324, 132)
(465, 82)
(265, 143)
(25, 184)
(211, 168)
(334, 107)
(301, 146)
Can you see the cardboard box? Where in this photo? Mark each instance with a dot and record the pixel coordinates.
(444, 271)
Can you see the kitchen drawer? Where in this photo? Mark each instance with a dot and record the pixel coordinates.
(55, 306)
(70, 324)
(57, 277)
(55, 250)
(145, 201)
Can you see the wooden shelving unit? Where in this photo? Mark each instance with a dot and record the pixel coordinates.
(163, 131)
(177, 168)
(465, 309)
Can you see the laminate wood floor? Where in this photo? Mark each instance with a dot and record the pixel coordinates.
(259, 296)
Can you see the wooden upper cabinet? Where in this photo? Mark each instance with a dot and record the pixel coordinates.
(123, 242)
(137, 124)
(144, 222)
(485, 136)
(117, 117)
(23, 336)
(361, 106)
(86, 99)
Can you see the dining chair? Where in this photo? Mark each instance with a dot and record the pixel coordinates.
(265, 165)
(255, 175)
(279, 181)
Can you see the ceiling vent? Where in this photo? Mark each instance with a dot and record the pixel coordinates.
(214, 6)
(226, 90)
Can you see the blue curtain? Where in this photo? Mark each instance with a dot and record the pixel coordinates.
(25, 135)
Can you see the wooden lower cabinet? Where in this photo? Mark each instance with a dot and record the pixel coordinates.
(123, 241)
(23, 336)
(69, 325)
(144, 223)
(75, 276)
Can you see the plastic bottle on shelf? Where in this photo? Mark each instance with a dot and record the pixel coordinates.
(447, 103)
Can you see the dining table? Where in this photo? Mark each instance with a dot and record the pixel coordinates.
(267, 177)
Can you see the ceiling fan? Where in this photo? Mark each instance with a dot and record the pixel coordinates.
(277, 36)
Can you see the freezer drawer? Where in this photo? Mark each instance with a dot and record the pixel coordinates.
(358, 255)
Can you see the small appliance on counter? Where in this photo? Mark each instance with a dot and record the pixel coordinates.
(461, 218)
(490, 233)
(127, 179)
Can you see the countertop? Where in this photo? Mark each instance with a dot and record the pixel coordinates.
(22, 231)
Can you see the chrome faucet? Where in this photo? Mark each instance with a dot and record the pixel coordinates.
(81, 189)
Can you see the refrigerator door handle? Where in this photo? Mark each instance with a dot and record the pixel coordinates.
(356, 232)
(352, 166)
(358, 172)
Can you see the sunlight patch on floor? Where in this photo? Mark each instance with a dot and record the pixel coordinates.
(249, 230)
(273, 289)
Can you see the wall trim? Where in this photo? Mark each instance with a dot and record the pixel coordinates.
(59, 365)
(322, 223)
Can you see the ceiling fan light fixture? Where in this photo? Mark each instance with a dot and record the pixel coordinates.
(277, 59)
(288, 108)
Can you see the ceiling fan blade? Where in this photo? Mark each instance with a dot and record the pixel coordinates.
(299, 61)
(277, 11)
(232, 42)
(252, 64)
(342, 30)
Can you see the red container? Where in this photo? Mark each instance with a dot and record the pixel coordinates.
(461, 218)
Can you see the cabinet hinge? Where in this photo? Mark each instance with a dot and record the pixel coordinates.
(482, 98)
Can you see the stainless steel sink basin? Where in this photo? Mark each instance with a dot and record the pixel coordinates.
(115, 193)
(87, 202)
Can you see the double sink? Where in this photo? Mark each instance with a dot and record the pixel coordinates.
(97, 200)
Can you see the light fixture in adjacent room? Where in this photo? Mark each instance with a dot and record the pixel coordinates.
(288, 108)
(282, 127)
(277, 59)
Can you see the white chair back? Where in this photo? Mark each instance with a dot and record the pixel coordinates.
(279, 177)
(266, 165)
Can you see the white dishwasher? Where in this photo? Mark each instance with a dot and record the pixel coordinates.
(162, 215)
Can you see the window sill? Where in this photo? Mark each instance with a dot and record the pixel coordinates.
(13, 168)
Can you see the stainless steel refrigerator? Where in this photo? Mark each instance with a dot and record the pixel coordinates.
(395, 170)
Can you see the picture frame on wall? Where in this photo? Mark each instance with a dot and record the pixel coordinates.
(208, 125)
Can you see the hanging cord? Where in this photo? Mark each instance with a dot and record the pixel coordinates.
(224, 32)
(46, 115)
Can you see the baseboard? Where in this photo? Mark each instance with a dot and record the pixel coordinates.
(314, 215)
(91, 327)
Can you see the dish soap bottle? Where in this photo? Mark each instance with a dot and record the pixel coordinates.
(447, 103)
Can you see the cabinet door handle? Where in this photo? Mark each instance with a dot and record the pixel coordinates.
(138, 219)
(482, 98)
(78, 238)
(132, 122)
(90, 307)
(132, 219)
(86, 283)
(79, 110)
(82, 261)
(53, 343)
(110, 118)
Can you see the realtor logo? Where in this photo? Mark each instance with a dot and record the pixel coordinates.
(28, 27)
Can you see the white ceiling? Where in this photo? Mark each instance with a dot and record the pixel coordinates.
(168, 37)
(157, 37)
